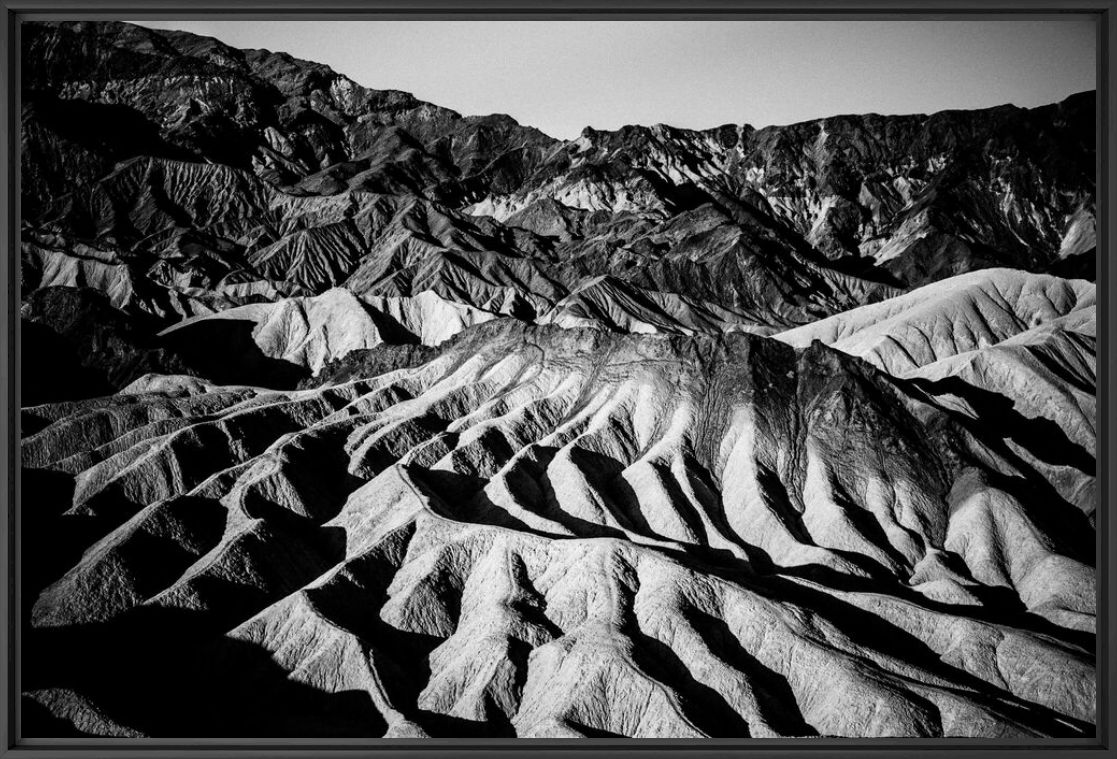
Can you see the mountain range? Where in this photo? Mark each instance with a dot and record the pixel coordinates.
(344, 414)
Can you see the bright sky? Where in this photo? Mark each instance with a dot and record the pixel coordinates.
(561, 76)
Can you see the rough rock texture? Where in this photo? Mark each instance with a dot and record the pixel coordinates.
(705, 534)
(1010, 349)
(209, 177)
(347, 415)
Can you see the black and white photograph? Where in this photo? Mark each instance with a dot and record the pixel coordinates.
(395, 379)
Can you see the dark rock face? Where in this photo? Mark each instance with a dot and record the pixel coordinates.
(76, 345)
(255, 109)
(387, 421)
(370, 362)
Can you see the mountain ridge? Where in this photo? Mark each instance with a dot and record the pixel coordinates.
(310, 91)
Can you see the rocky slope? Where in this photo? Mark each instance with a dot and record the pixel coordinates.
(347, 415)
(540, 521)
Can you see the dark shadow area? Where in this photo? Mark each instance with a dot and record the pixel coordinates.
(315, 466)
(603, 474)
(353, 600)
(371, 362)
(31, 422)
(45, 495)
(779, 501)
(196, 456)
(159, 558)
(1082, 265)
(171, 673)
(1041, 437)
(534, 469)
(71, 141)
(461, 497)
(703, 705)
(75, 345)
(222, 350)
(282, 556)
(52, 370)
(595, 732)
(1067, 526)
(36, 721)
(519, 652)
(448, 726)
(391, 331)
(776, 700)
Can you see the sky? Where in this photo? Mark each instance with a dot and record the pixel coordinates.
(561, 76)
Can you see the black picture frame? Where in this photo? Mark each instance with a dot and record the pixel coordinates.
(15, 11)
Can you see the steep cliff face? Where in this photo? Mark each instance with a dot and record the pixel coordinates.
(348, 415)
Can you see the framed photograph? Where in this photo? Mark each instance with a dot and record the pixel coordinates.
(635, 378)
